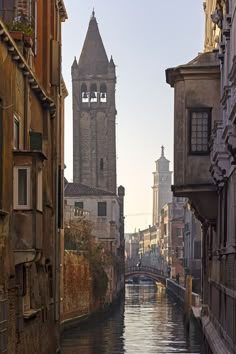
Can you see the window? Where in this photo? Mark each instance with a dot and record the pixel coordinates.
(93, 93)
(84, 93)
(165, 229)
(197, 249)
(103, 93)
(78, 208)
(21, 187)
(200, 128)
(102, 209)
(40, 190)
(79, 205)
(16, 133)
(101, 164)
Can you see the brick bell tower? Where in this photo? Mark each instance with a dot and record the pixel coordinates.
(94, 114)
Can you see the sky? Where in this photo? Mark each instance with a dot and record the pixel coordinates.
(144, 38)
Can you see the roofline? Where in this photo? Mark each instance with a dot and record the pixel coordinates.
(5, 38)
(109, 194)
(179, 72)
(90, 195)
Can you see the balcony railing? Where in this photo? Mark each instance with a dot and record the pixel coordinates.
(72, 213)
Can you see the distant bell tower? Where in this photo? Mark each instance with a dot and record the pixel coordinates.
(94, 114)
(162, 186)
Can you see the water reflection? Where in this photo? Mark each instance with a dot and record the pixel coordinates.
(148, 323)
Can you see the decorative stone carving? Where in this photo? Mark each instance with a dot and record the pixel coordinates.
(220, 156)
(217, 17)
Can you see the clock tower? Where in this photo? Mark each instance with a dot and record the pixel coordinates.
(162, 186)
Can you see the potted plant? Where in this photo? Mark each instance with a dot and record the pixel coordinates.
(21, 30)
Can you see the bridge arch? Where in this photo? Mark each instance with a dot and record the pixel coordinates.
(149, 272)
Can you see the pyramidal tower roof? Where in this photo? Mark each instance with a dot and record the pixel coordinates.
(93, 59)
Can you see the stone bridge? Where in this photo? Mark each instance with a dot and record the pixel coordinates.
(149, 272)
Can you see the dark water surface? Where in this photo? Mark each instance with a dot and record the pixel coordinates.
(149, 322)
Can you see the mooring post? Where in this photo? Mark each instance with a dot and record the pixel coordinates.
(188, 300)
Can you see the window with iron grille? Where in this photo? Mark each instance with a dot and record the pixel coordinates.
(200, 128)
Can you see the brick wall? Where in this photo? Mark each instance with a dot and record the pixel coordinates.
(77, 298)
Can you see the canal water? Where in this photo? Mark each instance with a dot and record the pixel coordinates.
(148, 322)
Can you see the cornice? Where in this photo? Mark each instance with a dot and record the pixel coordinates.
(62, 10)
(18, 58)
(180, 73)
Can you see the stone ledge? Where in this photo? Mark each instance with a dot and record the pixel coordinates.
(215, 342)
(30, 313)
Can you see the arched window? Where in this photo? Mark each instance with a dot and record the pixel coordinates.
(101, 164)
(93, 93)
(84, 93)
(103, 93)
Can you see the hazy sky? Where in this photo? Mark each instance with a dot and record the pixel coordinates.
(144, 38)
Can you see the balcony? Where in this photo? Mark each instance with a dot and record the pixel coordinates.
(74, 214)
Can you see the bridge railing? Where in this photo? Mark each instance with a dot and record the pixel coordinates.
(145, 269)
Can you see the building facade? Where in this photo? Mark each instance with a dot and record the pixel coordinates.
(103, 210)
(162, 186)
(205, 145)
(170, 238)
(31, 169)
(192, 248)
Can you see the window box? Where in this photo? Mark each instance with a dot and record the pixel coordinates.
(17, 35)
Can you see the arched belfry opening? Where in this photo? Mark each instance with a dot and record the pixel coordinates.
(93, 93)
(84, 93)
(103, 93)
